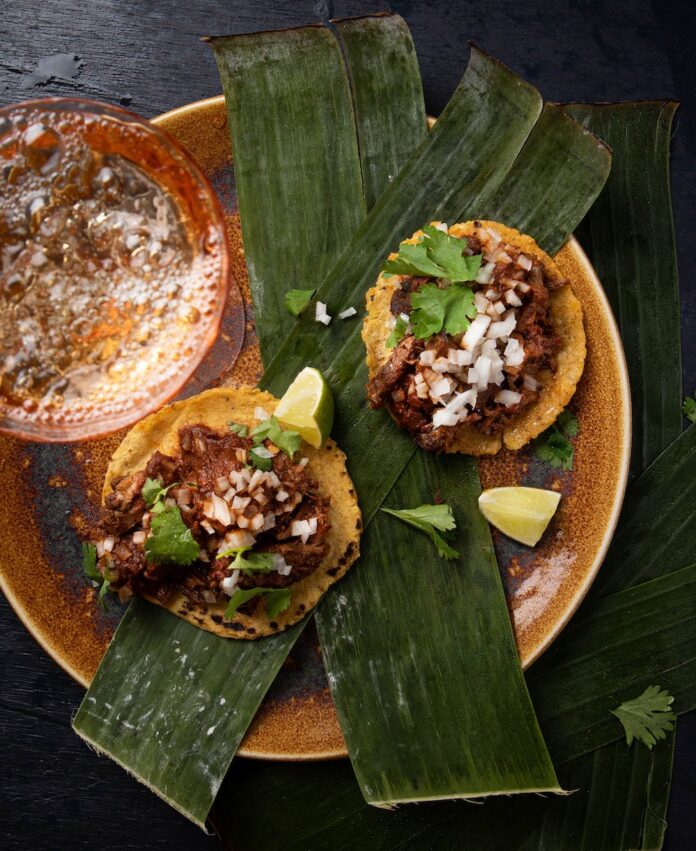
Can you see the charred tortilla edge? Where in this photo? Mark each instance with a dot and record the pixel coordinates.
(215, 408)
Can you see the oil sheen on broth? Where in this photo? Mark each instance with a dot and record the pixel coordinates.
(104, 294)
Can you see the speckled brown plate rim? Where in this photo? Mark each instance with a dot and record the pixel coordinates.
(25, 615)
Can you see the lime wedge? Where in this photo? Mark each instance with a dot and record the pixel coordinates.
(308, 407)
(520, 513)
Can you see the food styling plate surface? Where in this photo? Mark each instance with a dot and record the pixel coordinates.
(40, 562)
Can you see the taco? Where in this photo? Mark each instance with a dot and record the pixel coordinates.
(474, 338)
(211, 510)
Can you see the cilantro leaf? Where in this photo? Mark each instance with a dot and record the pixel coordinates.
(554, 447)
(258, 461)
(397, 332)
(277, 600)
(689, 408)
(286, 440)
(297, 300)
(437, 255)
(89, 565)
(254, 562)
(448, 252)
(89, 562)
(171, 540)
(436, 309)
(413, 260)
(239, 429)
(428, 518)
(648, 717)
(153, 491)
(567, 422)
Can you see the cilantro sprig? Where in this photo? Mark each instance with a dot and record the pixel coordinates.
(277, 600)
(297, 300)
(554, 445)
(238, 428)
(437, 255)
(154, 493)
(429, 518)
(252, 563)
(689, 408)
(287, 441)
(648, 717)
(89, 565)
(171, 541)
(397, 332)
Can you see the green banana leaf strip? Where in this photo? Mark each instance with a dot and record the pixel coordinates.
(560, 160)
(387, 96)
(290, 113)
(658, 523)
(460, 159)
(630, 237)
(445, 672)
(167, 700)
(339, 817)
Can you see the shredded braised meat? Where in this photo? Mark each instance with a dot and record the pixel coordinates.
(262, 505)
(400, 384)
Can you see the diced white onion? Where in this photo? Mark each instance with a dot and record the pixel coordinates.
(208, 528)
(531, 383)
(427, 357)
(440, 388)
(481, 302)
(257, 478)
(441, 226)
(222, 483)
(460, 400)
(512, 298)
(320, 313)
(303, 462)
(524, 262)
(483, 371)
(229, 583)
(443, 417)
(472, 376)
(441, 365)
(282, 495)
(139, 537)
(459, 357)
(239, 503)
(485, 273)
(508, 398)
(203, 555)
(504, 328)
(499, 308)
(475, 331)
(514, 352)
(209, 596)
(346, 314)
(256, 522)
(303, 529)
(183, 497)
(236, 539)
(281, 565)
(109, 544)
(522, 287)
(262, 452)
(492, 294)
(221, 510)
(269, 521)
(261, 414)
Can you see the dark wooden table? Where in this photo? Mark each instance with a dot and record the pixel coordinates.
(54, 792)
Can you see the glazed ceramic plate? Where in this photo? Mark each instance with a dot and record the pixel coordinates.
(44, 485)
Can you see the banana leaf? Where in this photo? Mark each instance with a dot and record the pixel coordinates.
(600, 649)
(387, 96)
(630, 237)
(295, 148)
(170, 703)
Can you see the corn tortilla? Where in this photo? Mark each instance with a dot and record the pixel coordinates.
(556, 389)
(215, 408)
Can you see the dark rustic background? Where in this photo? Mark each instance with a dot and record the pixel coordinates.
(54, 792)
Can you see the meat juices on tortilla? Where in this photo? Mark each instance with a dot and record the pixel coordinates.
(548, 335)
(153, 449)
